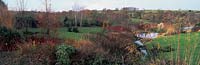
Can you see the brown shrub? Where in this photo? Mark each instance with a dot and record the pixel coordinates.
(83, 46)
(29, 54)
(109, 48)
(34, 54)
(116, 44)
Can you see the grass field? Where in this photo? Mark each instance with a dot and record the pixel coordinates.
(64, 34)
(186, 47)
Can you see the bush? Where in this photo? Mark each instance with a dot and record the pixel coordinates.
(104, 49)
(9, 38)
(63, 53)
(114, 49)
(29, 54)
(70, 29)
(198, 25)
(25, 20)
(75, 30)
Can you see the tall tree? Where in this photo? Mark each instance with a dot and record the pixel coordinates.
(2, 10)
(5, 15)
(47, 4)
(48, 19)
(76, 8)
(2, 4)
(21, 15)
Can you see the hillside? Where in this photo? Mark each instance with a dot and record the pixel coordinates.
(186, 47)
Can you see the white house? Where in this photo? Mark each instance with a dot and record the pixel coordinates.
(148, 35)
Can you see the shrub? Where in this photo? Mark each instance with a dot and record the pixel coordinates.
(114, 48)
(29, 54)
(198, 24)
(63, 53)
(107, 49)
(75, 30)
(25, 20)
(9, 38)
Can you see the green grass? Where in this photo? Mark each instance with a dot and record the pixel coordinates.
(71, 35)
(189, 44)
(64, 34)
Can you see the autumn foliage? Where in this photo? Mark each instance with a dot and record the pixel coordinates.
(5, 16)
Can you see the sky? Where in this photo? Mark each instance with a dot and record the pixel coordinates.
(65, 5)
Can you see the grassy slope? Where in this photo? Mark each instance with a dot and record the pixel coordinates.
(189, 47)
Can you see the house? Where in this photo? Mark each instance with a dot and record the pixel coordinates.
(147, 35)
(130, 8)
(187, 29)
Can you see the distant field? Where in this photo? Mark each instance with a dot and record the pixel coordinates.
(64, 34)
(189, 47)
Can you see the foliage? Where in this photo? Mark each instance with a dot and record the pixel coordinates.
(29, 54)
(48, 21)
(105, 49)
(9, 38)
(5, 16)
(63, 53)
(198, 25)
(85, 22)
(25, 20)
(87, 53)
(113, 48)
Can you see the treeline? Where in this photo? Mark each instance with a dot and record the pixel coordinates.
(158, 16)
(85, 18)
(92, 18)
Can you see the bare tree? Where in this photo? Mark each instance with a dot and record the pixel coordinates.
(77, 8)
(47, 4)
(48, 20)
(21, 5)
(21, 14)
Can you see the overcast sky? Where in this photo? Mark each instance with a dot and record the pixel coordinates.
(60, 5)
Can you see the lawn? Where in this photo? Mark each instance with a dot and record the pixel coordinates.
(64, 34)
(187, 44)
